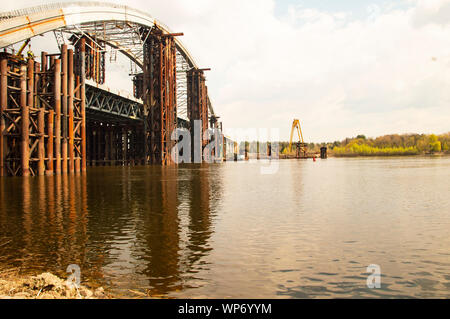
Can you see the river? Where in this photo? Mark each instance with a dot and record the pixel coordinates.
(309, 230)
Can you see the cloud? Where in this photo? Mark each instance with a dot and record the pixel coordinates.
(432, 12)
(341, 75)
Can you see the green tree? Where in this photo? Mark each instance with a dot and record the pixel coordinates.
(434, 145)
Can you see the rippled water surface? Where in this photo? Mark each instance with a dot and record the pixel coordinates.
(226, 230)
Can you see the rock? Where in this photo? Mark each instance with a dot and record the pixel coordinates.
(45, 282)
(44, 286)
(99, 293)
(22, 295)
(86, 293)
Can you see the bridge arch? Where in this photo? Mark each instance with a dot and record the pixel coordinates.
(19, 25)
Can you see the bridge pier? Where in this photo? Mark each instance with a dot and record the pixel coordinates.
(197, 110)
(159, 96)
(39, 137)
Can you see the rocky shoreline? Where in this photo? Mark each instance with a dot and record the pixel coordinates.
(44, 286)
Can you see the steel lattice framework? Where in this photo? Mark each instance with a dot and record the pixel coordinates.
(110, 103)
(121, 27)
(43, 104)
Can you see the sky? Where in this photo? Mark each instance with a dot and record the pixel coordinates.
(342, 68)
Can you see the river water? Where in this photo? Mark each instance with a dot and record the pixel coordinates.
(310, 230)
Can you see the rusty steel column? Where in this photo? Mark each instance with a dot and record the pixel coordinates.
(32, 136)
(25, 114)
(159, 84)
(30, 83)
(40, 136)
(57, 97)
(3, 105)
(64, 134)
(197, 110)
(83, 104)
(50, 133)
(113, 145)
(107, 150)
(70, 102)
(94, 145)
(77, 120)
(40, 123)
(99, 146)
(41, 145)
(50, 116)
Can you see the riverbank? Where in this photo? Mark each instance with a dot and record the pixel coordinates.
(43, 286)
(438, 154)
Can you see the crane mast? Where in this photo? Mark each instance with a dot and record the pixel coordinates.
(301, 151)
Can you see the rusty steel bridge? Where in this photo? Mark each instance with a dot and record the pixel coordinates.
(57, 115)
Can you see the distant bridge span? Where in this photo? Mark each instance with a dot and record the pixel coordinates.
(54, 120)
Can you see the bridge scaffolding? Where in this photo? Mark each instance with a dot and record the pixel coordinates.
(53, 121)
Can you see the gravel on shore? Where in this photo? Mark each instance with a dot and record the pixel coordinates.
(43, 286)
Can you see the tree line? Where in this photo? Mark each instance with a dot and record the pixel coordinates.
(392, 144)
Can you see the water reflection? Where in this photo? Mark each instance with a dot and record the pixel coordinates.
(42, 220)
(199, 213)
(159, 238)
(227, 231)
(149, 226)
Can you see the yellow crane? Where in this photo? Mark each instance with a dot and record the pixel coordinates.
(301, 145)
(22, 47)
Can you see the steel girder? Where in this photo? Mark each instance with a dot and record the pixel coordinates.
(107, 102)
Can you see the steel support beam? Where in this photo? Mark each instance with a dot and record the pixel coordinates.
(197, 109)
(3, 106)
(159, 97)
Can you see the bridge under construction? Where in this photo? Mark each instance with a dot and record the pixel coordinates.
(57, 115)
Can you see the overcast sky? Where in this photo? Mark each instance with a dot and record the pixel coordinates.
(343, 68)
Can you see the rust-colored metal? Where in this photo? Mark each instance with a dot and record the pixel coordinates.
(159, 97)
(83, 104)
(57, 106)
(113, 145)
(33, 120)
(94, 67)
(106, 141)
(64, 105)
(50, 133)
(40, 109)
(99, 146)
(77, 121)
(41, 146)
(176, 34)
(43, 110)
(3, 106)
(70, 112)
(197, 108)
(25, 112)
